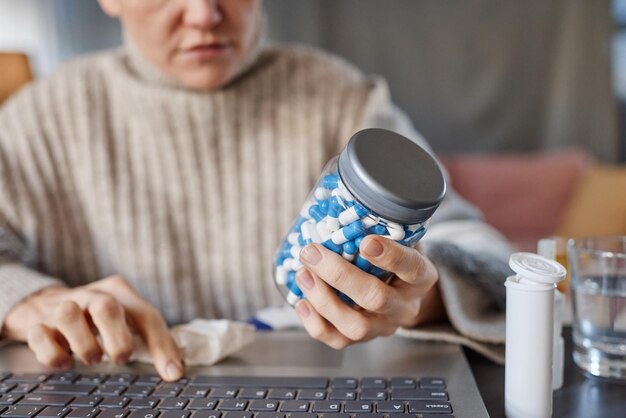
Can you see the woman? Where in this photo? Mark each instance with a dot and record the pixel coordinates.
(151, 185)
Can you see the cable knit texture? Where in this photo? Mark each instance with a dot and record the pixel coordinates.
(108, 167)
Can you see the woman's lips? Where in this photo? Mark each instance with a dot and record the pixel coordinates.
(206, 51)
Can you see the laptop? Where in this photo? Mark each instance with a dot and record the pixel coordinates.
(282, 374)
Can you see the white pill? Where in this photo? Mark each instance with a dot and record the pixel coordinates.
(332, 224)
(309, 232)
(323, 231)
(295, 251)
(292, 238)
(349, 257)
(396, 232)
(281, 275)
(305, 209)
(321, 193)
(292, 298)
(369, 221)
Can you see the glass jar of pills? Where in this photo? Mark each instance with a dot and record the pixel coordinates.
(381, 183)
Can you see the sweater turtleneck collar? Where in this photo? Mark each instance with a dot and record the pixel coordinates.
(147, 72)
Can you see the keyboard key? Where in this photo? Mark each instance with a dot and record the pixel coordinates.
(168, 390)
(144, 413)
(197, 392)
(432, 383)
(21, 411)
(175, 414)
(344, 383)
(373, 394)
(83, 413)
(27, 378)
(259, 405)
(237, 414)
(269, 415)
(206, 414)
(138, 391)
(113, 413)
(294, 406)
(282, 394)
(144, 403)
(110, 390)
(9, 399)
(436, 416)
(420, 407)
(233, 405)
(367, 415)
(92, 378)
(260, 382)
(148, 380)
(373, 383)
(61, 378)
(86, 401)
(6, 387)
(312, 395)
(326, 406)
(114, 402)
(46, 400)
(390, 407)
(24, 388)
(337, 415)
(125, 379)
(250, 393)
(419, 395)
(4, 375)
(339, 394)
(403, 383)
(75, 390)
(173, 403)
(302, 415)
(357, 406)
(54, 412)
(202, 404)
(223, 393)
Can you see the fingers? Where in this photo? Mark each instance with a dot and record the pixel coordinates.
(49, 347)
(366, 290)
(407, 263)
(70, 321)
(166, 355)
(319, 328)
(335, 315)
(109, 318)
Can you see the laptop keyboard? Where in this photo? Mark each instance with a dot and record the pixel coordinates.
(96, 395)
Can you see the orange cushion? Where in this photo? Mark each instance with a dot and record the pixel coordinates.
(598, 205)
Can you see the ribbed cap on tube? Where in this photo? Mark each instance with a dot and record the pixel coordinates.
(392, 175)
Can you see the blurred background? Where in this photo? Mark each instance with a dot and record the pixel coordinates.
(496, 86)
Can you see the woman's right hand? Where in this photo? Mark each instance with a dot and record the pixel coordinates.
(59, 321)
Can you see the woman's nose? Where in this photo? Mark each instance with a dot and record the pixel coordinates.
(202, 13)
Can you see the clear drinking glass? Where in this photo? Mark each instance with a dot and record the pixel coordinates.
(598, 286)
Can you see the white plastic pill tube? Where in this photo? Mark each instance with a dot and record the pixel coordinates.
(529, 311)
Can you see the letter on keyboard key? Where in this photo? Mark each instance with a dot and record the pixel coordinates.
(144, 403)
(202, 404)
(83, 413)
(206, 414)
(54, 412)
(432, 383)
(173, 403)
(294, 406)
(113, 413)
(421, 407)
(144, 413)
(175, 414)
(21, 411)
(9, 399)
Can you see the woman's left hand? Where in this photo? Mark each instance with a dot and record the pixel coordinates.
(386, 306)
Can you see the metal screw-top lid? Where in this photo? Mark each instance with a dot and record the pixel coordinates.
(392, 175)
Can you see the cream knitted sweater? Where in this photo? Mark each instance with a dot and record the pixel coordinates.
(109, 168)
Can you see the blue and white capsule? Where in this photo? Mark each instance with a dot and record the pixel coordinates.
(348, 232)
(352, 214)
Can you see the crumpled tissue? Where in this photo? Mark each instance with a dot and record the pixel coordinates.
(204, 341)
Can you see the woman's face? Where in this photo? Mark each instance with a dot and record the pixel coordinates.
(201, 43)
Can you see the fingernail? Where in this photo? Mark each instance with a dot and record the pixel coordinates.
(95, 359)
(302, 310)
(173, 370)
(310, 254)
(372, 248)
(304, 279)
